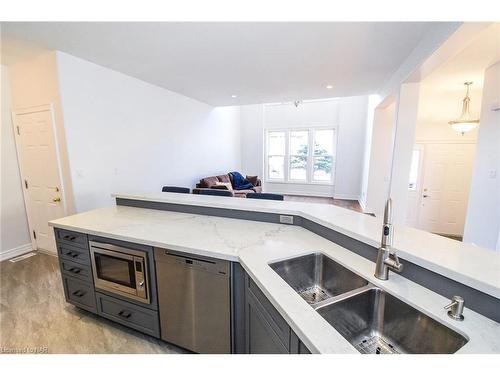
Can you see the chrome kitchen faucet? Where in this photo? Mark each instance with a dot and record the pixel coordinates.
(386, 257)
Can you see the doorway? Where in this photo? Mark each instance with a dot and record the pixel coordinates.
(439, 185)
(39, 164)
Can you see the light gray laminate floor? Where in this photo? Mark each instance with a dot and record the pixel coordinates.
(35, 317)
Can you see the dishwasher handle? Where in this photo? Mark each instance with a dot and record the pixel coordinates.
(218, 266)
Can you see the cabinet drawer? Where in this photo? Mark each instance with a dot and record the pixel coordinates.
(128, 314)
(73, 254)
(72, 238)
(279, 325)
(79, 293)
(77, 270)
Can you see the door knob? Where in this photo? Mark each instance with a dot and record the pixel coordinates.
(56, 199)
(425, 195)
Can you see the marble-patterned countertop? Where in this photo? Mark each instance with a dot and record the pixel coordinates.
(474, 266)
(255, 245)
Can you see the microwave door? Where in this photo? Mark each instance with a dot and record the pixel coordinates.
(114, 271)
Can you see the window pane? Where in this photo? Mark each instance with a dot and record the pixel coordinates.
(323, 168)
(298, 167)
(276, 143)
(412, 185)
(323, 142)
(276, 166)
(299, 143)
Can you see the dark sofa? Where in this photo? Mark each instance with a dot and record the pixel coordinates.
(211, 183)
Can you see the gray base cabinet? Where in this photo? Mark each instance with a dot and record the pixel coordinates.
(79, 288)
(74, 261)
(256, 326)
(133, 316)
(79, 293)
(266, 331)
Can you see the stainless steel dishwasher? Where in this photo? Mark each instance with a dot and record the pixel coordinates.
(194, 301)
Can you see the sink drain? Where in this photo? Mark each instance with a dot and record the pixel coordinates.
(376, 345)
(314, 294)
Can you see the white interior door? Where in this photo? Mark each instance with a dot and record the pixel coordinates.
(447, 174)
(415, 186)
(39, 165)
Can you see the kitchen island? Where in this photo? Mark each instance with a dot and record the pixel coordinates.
(188, 224)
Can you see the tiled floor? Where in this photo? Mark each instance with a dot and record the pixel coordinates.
(35, 317)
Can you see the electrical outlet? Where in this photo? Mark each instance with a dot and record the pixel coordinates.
(286, 219)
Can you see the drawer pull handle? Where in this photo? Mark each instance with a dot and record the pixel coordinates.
(72, 254)
(70, 238)
(75, 270)
(78, 293)
(125, 314)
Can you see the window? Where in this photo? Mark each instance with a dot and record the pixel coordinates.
(415, 161)
(301, 155)
(323, 155)
(299, 150)
(276, 155)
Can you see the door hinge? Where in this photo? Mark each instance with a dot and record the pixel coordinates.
(26, 183)
(18, 132)
(34, 235)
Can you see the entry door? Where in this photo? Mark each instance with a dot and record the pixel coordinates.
(447, 175)
(39, 165)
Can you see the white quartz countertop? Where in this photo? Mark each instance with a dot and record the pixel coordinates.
(474, 266)
(255, 245)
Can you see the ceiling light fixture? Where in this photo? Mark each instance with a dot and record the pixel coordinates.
(234, 96)
(329, 87)
(465, 122)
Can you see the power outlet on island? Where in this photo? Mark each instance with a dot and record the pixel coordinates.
(286, 219)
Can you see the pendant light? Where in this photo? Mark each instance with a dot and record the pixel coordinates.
(465, 123)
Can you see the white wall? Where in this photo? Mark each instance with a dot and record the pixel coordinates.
(307, 114)
(34, 82)
(14, 226)
(373, 101)
(124, 134)
(406, 122)
(482, 225)
(350, 147)
(252, 135)
(348, 116)
(379, 168)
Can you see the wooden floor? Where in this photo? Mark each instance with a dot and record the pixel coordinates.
(35, 318)
(345, 203)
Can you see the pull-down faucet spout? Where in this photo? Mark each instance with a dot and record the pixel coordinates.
(386, 257)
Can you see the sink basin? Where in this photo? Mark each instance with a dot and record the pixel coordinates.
(315, 277)
(374, 321)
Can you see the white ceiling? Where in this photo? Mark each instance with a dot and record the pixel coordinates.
(210, 62)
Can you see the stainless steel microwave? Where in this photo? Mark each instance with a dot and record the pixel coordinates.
(120, 270)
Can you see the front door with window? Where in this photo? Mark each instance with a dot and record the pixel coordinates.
(443, 188)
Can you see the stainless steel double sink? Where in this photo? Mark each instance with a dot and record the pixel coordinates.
(372, 320)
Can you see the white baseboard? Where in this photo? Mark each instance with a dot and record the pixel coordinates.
(347, 197)
(302, 194)
(15, 252)
(48, 252)
(362, 204)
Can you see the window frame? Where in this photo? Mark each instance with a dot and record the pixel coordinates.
(310, 156)
(267, 156)
(289, 155)
(333, 156)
